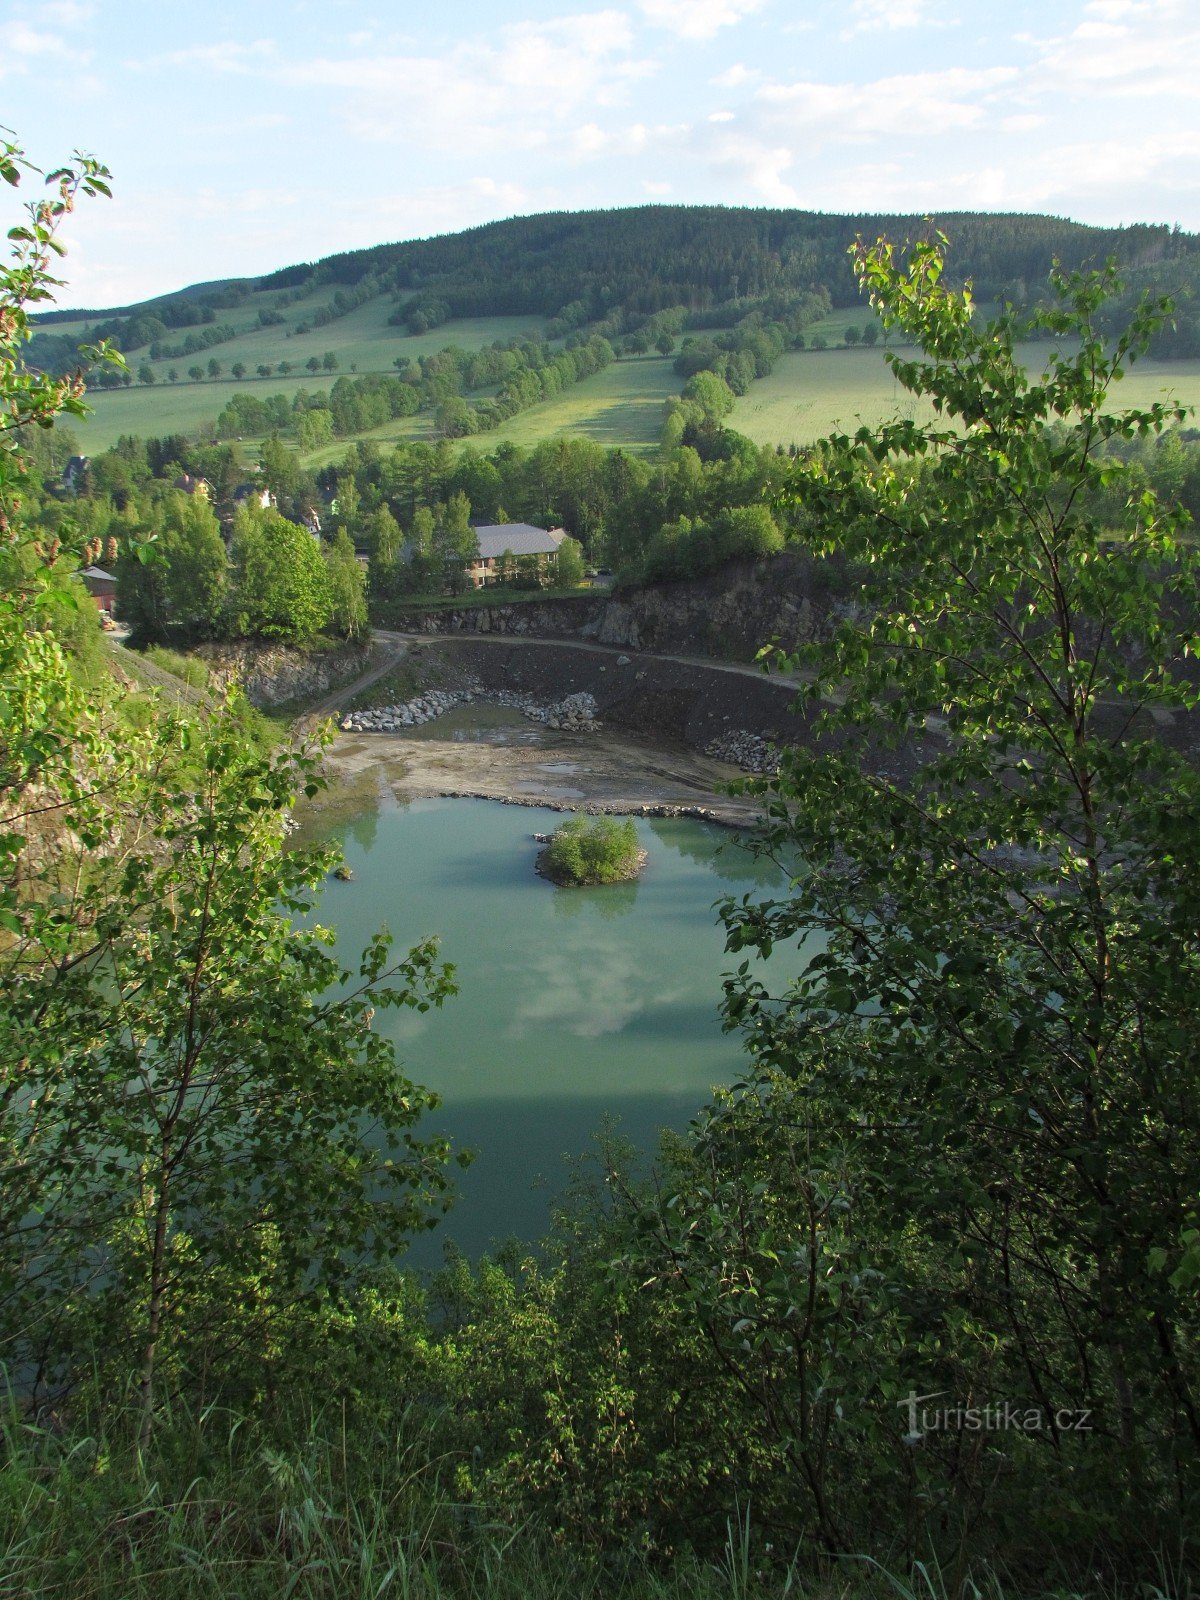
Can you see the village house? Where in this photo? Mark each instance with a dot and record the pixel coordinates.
(252, 494)
(512, 538)
(74, 474)
(102, 587)
(190, 485)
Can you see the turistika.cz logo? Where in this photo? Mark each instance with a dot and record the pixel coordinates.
(1001, 1416)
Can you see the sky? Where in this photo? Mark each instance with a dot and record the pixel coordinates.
(245, 137)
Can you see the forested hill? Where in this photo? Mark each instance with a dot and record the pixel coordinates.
(654, 256)
(615, 267)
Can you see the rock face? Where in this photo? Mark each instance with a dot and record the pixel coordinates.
(727, 614)
(272, 675)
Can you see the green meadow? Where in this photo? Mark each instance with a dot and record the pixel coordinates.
(810, 393)
(363, 341)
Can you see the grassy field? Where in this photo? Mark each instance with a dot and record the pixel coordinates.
(812, 392)
(620, 406)
(361, 340)
(809, 393)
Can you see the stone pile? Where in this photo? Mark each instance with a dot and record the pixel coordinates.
(390, 719)
(744, 749)
(574, 714)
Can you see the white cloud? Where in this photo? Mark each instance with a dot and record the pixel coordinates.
(224, 55)
(634, 139)
(698, 19)
(735, 77)
(503, 93)
(721, 116)
(889, 16)
(19, 39)
(1168, 161)
(656, 189)
(1135, 49)
(758, 169)
(66, 13)
(905, 105)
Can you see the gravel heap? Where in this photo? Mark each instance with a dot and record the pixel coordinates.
(744, 749)
(574, 714)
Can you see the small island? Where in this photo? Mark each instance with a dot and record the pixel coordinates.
(592, 850)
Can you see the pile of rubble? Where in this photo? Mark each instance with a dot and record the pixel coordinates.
(574, 714)
(744, 749)
(391, 719)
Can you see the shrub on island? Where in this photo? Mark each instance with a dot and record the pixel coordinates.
(592, 850)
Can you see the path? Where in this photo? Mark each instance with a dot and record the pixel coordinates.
(746, 669)
(380, 667)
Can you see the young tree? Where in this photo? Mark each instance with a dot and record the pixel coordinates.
(280, 584)
(568, 565)
(187, 1079)
(383, 536)
(195, 565)
(315, 429)
(347, 588)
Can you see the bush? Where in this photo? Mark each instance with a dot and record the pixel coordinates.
(599, 850)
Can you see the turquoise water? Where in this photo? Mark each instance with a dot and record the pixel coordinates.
(577, 1006)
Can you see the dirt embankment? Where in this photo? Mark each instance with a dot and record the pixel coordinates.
(654, 697)
(657, 716)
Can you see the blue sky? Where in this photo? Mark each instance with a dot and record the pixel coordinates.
(246, 137)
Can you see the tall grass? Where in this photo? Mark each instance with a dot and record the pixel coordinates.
(336, 1508)
(190, 669)
(333, 1510)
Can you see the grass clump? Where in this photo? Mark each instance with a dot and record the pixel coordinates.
(593, 850)
(191, 669)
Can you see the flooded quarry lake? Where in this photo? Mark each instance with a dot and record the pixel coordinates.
(577, 1007)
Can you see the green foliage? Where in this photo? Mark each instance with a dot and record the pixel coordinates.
(200, 1132)
(595, 850)
(568, 564)
(280, 584)
(347, 588)
(989, 1057)
(688, 549)
(191, 669)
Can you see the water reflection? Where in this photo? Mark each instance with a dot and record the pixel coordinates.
(725, 852)
(607, 901)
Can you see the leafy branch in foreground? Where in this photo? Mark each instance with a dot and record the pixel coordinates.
(967, 1158)
(199, 1127)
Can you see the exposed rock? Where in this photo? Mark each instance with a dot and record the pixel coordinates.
(272, 675)
(728, 614)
